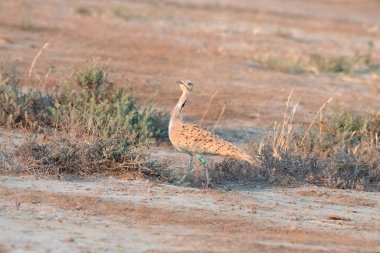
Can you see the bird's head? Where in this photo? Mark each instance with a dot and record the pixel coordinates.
(185, 85)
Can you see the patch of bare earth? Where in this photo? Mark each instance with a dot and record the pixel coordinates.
(137, 216)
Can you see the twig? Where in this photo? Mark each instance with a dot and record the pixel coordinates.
(316, 116)
(221, 113)
(35, 59)
(208, 107)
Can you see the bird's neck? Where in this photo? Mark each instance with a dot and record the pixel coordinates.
(177, 111)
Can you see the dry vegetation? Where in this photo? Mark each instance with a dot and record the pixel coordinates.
(339, 151)
(88, 126)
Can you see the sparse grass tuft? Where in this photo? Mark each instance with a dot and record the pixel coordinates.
(293, 67)
(121, 13)
(91, 77)
(359, 63)
(83, 11)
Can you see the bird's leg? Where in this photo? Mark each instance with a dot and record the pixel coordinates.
(203, 162)
(207, 177)
(189, 168)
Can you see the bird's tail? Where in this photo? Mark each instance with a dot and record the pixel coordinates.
(237, 153)
(244, 157)
(217, 146)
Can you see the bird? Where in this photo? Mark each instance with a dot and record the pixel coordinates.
(193, 139)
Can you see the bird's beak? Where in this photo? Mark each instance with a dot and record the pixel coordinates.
(178, 82)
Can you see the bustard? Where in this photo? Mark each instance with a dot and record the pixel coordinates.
(192, 139)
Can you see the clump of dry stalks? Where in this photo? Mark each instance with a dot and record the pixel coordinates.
(62, 155)
(341, 150)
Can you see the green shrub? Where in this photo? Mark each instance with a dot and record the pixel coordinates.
(91, 77)
(24, 109)
(106, 116)
(91, 106)
(96, 127)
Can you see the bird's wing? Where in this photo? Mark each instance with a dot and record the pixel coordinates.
(195, 139)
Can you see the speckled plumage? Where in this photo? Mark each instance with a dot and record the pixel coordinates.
(193, 139)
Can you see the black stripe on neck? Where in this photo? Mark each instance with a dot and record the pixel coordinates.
(183, 105)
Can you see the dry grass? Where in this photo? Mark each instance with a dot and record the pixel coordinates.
(339, 151)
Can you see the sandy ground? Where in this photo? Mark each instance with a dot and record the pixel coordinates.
(108, 215)
(148, 45)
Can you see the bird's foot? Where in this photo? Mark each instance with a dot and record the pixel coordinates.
(207, 185)
(208, 180)
(182, 180)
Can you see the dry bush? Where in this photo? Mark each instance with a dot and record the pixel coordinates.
(97, 128)
(231, 170)
(342, 151)
(60, 155)
(349, 144)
